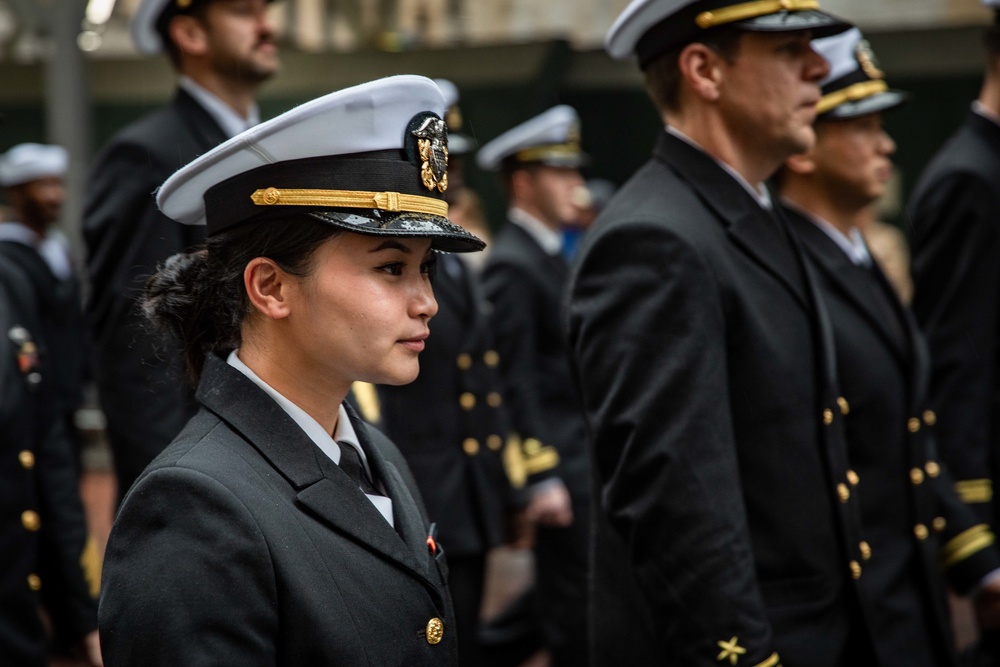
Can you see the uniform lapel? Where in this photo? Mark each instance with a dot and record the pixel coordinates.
(854, 282)
(321, 486)
(200, 123)
(756, 231)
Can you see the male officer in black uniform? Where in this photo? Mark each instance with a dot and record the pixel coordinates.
(43, 537)
(451, 424)
(704, 358)
(223, 50)
(523, 280)
(914, 525)
(32, 175)
(954, 215)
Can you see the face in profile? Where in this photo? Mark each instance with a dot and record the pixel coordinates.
(769, 91)
(241, 39)
(553, 192)
(853, 158)
(362, 312)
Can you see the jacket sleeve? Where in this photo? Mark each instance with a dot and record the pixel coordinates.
(957, 289)
(647, 336)
(515, 302)
(188, 578)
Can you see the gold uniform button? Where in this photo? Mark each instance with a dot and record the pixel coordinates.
(866, 550)
(845, 407)
(917, 476)
(467, 400)
(920, 530)
(491, 358)
(855, 569)
(932, 468)
(30, 520)
(853, 478)
(843, 493)
(27, 459)
(913, 424)
(464, 361)
(494, 442)
(827, 417)
(470, 446)
(930, 418)
(34, 582)
(494, 400)
(435, 631)
(939, 523)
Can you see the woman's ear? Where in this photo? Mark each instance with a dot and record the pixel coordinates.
(268, 287)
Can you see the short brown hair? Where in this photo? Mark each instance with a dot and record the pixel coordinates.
(663, 74)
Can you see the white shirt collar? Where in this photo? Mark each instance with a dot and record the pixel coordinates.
(759, 193)
(979, 108)
(53, 248)
(550, 240)
(853, 243)
(344, 433)
(231, 122)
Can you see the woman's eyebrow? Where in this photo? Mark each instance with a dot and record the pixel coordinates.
(391, 244)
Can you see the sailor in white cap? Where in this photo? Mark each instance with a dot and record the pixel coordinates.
(915, 529)
(32, 175)
(728, 530)
(539, 162)
(299, 538)
(222, 51)
(953, 211)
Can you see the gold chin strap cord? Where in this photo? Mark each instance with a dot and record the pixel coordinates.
(858, 91)
(394, 202)
(751, 10)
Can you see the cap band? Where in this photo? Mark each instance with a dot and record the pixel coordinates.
(751, 10)
(385, 201)
(858, 91)
(538, 153)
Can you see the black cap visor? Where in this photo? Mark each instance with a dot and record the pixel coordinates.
(445, 235)
(821, 23)
(876, 103)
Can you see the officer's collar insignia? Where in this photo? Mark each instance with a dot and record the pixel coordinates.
(866, 58)
(431, 136)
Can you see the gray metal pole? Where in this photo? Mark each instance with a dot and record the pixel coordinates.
(67, 106)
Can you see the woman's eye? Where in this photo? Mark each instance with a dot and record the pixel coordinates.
(393, 268)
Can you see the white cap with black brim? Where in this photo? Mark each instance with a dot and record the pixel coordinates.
(649, 28)
(551, 138)
(371, 159)
(151, 20)
(856, 85)
(30, 162)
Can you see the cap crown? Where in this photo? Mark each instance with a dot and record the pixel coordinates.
(29, 162)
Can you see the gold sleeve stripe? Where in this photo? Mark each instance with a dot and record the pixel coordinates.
(773, 661)
(546, 458)
(751, 10)
(973, 491)
(367, 397)
(966, 544)
(513, 462)
(90, 562)
(385, 201)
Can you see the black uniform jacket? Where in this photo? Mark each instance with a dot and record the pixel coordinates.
(705, 362)
(43, 534)
(243, 544)
(524, 285)
(912, 521)
(955, 217)
(141, 383)
(451, 424)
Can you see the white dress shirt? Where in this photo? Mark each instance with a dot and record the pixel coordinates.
(344, 436)
(759, 193)
(53, 248)
(231, 122)
(549, 239)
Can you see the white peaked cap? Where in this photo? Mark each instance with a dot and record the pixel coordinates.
(556, 127)
(29, 162)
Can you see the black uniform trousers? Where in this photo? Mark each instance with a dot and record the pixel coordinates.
(143, 392)
(954, 214)
(705, 360)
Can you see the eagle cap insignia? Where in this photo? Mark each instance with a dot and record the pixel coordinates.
(431, 154)
(866, 58)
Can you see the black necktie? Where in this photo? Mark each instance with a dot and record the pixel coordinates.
(350, 462)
